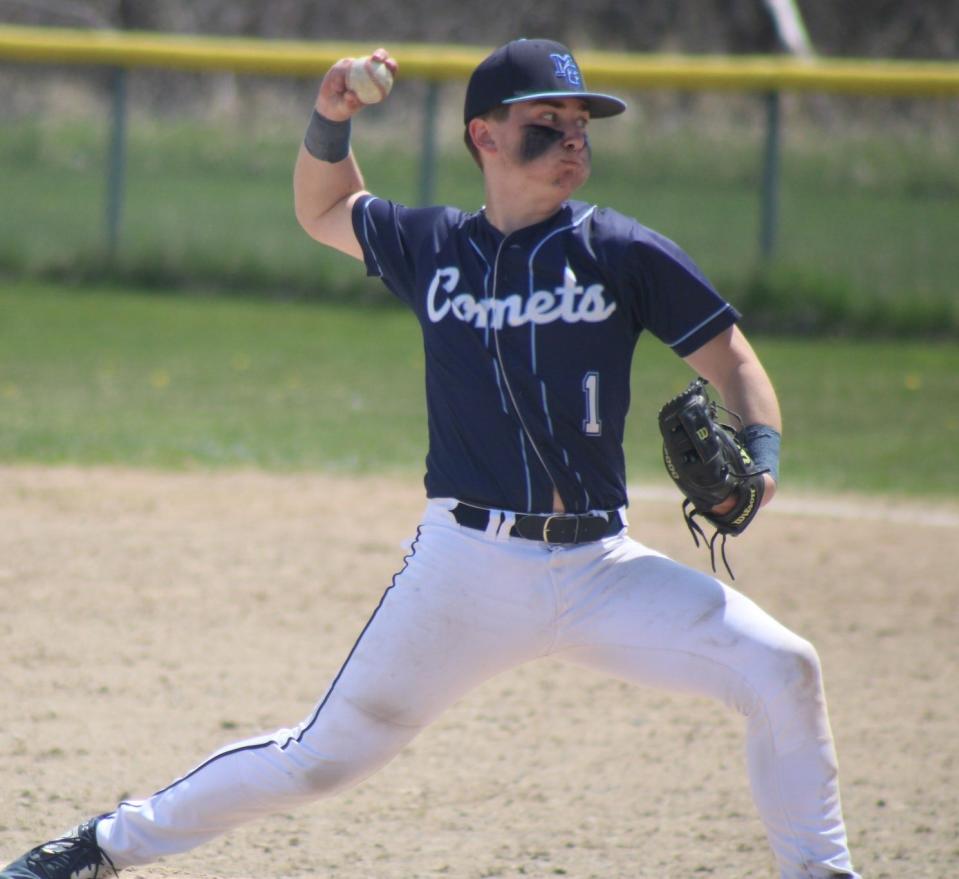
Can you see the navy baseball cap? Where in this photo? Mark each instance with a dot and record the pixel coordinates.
(524, 70)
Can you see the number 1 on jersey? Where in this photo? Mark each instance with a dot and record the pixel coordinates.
(592, 426)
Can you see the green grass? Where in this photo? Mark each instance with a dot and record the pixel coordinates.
(97, 377)
(866, 237)
(105, 376)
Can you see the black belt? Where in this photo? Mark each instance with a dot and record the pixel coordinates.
(555, 528)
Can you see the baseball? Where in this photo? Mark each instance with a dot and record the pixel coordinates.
(370, 79)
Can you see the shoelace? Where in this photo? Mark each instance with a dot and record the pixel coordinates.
(54, 858)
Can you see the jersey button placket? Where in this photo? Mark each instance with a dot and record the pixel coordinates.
(504, 373)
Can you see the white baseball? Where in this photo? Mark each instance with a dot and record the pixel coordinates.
(370, 79)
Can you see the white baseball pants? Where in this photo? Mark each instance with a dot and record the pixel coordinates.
(469, 604)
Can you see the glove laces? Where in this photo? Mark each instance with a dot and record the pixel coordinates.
(696, 530)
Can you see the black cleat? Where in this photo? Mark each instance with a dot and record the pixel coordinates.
(75, 855)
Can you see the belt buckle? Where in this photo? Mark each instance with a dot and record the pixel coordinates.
(562, 517)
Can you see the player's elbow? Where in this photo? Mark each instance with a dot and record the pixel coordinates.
(306, 216)
(313, 216)
(331, 224)
(308, 210)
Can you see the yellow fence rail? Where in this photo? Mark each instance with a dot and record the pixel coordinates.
(442, 62)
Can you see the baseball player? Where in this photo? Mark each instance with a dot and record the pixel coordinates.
(530, 309)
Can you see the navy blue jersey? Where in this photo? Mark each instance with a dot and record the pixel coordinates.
(529, 339)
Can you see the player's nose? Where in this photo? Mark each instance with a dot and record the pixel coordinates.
(574, 139)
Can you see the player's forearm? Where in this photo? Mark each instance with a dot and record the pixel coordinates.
(747, 391)
(730, 364)
(326, 178)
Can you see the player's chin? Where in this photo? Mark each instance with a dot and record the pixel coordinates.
(571, 176)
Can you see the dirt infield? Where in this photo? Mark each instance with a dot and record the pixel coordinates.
(150, 618)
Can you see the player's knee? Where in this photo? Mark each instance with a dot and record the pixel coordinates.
(324, 776)
(794, 703)
(345, 746)
(786, 680)
(322, 773)
(783, 696)
(792, 694)
(803, 672)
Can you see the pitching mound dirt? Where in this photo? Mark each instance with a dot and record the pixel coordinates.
(147, 619)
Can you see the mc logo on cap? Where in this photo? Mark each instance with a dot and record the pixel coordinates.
(567, 69)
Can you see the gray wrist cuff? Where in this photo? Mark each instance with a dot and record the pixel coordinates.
(327, 140)
(762, 443)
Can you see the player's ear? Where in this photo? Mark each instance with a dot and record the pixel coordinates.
(482, 136)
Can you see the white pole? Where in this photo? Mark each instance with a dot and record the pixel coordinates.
(790, 27)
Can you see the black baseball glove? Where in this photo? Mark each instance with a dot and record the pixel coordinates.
(709, 464)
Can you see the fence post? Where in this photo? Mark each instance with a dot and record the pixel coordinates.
(427, 194)
(116, 160)
(769, 203)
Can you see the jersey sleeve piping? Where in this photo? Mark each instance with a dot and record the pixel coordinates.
(681, 345)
